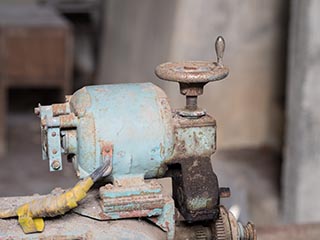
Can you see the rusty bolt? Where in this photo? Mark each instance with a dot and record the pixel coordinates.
(54, 151)
(224, 192)
(37, 111)
(53, 134)
(55, 165)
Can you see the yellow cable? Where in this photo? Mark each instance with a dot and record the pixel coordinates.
(30, 214)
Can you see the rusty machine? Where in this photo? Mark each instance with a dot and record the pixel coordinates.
(122, 140)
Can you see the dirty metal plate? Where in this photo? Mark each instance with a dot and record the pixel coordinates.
(91, 205)
(74, 226)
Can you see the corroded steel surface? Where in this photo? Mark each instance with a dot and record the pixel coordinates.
(138, 200)
(193, 75)
(194, 197)
(191, 72)
(148, 140)
(228, 228)
(195, 185)
(193, 137)
(74, 226)
(117, 199)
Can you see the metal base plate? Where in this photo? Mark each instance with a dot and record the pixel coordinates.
(74, 226)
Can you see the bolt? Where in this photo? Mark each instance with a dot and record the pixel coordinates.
(247, 232)
(224, 192)
(54, 151)
(37, 111)
(53, 134)
(55, 165)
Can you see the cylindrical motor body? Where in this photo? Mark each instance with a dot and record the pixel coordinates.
(136, 119)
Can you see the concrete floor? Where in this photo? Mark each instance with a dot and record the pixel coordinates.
(252, 174)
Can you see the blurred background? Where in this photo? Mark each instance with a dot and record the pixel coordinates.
(267, 109)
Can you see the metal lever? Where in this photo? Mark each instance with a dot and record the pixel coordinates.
(220, 47)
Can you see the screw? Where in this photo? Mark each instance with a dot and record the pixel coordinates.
(55, 165)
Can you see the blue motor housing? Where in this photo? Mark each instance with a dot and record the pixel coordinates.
(135, 119)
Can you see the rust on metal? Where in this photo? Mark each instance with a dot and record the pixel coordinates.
(60, 109)
(224, 192)
(68, 98)
(194, 197)
(75, 226)
(80, 104)
(107, 154)
(192, 76)
(227, 227)
(191, 72)
(68, 121)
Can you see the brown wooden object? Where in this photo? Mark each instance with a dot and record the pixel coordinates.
(35, 51)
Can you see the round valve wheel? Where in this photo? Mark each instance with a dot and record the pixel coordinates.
(192, 76)
(191, 72)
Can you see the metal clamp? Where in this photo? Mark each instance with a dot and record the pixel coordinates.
(54, 118)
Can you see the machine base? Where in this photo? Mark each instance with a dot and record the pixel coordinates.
(74, 226)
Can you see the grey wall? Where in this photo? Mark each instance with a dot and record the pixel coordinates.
(302, 155)
(141, 34)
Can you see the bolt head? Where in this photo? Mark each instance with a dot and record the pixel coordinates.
(56, 165)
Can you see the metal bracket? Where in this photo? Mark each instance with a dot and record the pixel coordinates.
(195, 198)
(54, 118)
(54, 149)
(132, 197)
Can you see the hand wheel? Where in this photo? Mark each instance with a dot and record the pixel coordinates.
(192, 76)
